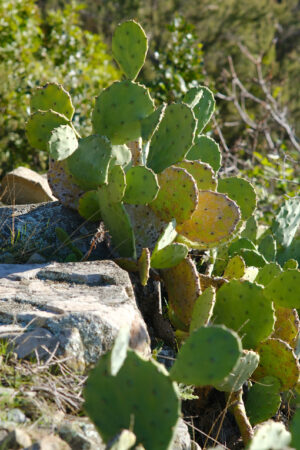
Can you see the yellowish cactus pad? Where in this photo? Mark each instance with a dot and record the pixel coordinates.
(202, 172)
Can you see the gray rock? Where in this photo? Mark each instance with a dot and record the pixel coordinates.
(23, 185)
(182, 439)
(16, 415)
(76, 309)
(50, 442)
(15, 439)
(31, 228)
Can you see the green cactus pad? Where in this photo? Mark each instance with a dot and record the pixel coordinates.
(267, 248)
(52, 96)
(141, 186)
(235, 268)
(62, 184)
(250, 230)
(207, 356)
(287, 221)
(167, 236)
(144, 266)
(240, 244)
(150, 123)
(287, 326)
(120, 156)
(242, 192)
(267, 273)
(177, 197)
(145, 387)
(206, 150)
(295, 429)
(276, 355)
(118, 224)
(201, 172)
(119, 110)
(169, 256)
(250, 274)
(290, 264)
(242, 307)
(62, 143)
(221, 260)
(284, 289)
(253, 258)
(202, 102)
(119, 350)
(146, 225)
(241, 372)
(39, 127)
(90, 162)
(129, 47)
(203, 309)
(116, 185)
(183, 286)
(173, 138)
(213, 222)
(271, 435)
(263, 400)
(89, 207)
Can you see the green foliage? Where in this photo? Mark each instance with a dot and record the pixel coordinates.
(36, 48)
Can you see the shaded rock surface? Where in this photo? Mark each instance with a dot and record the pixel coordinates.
(30, 229)
(23, 185)
(75, 308)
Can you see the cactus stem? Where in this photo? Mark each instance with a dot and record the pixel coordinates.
(75, 131)
(237, 407)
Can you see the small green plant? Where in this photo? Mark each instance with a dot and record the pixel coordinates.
(152, 177)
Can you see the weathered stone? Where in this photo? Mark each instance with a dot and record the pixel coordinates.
(74, 308)
(29, 229)
(182, 439)
(23, 185)
(16, 415)
(50, 442)
(17, 438)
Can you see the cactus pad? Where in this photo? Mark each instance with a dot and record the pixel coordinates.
(39, 127)
(129, 47)
(177, 197)
(213, 222)
(203, 309)
(206, 150)
(253, 258)
(207, 356)
(235, 268)
(263, 400)
(267, 273)
(287, 221)
(63, 185)
(52, 96)
(144, 266)
(241, 372)
(284, 289)
(271, 435)
(287, 326)
(145, 387)
(276, 355)
(90, 162)
(183, 287)
(150, 123)
(240, 244)
(250, 230)
(290, 264)
(116, 186)
(89, 207)
(202, 101)
(267, 248)
(120, 156)
(173, 138)
(62, 143)
(146, 225)
(169, 256)
(242, 306)
(167, 236)
(201, 172)
(119, 110)
(141, 185)
(242, 192)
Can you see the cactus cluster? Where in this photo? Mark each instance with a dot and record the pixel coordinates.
(152, 177)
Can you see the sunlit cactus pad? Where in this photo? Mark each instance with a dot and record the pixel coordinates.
(39, 127)
(206, 150)
(287, 325)
(201, 172)
(284, 289)
(207, 356)
(242, 192)
(141, 185)
(52, 96)
(202, 101)
(129, 46)
(242, 307)
(271, 352)
(119, 110)
(213, 222)
(177, 197)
